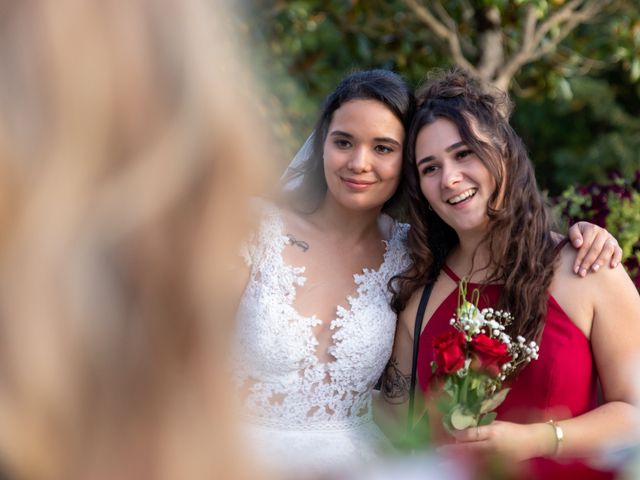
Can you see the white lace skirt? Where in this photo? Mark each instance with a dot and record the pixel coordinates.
(315, 449)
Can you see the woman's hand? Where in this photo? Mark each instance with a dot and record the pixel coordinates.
(513, 441)
(596, 247)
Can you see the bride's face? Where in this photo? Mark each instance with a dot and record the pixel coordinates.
(363, 154)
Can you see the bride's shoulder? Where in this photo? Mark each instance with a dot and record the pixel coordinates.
(270, 215)
(265, 220)
(393, 229)
(261, 207)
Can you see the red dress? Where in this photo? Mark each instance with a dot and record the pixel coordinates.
(560, 384)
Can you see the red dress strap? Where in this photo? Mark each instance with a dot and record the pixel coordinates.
(451, 273)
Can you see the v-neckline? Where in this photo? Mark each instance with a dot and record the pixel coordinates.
(341, 313)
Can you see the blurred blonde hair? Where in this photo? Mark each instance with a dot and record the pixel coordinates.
(129, 145)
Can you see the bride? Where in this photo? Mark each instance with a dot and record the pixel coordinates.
(315, 329)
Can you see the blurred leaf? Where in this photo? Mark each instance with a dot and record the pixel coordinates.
(495, 401)
(487, 418)
(461, 420)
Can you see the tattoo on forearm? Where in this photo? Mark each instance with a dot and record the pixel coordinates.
(298, 243)
(395, 385)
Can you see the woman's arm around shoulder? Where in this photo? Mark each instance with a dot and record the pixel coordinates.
(596, 248)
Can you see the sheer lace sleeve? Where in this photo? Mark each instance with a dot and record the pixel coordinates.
(250, 248)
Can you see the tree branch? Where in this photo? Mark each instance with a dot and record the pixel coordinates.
(445, 17)
(535, 42)
(448, 34)
(588, 12)
(467, 47)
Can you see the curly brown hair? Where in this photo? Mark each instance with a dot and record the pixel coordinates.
(519, 239)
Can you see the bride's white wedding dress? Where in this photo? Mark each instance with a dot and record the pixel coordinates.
(305, 414)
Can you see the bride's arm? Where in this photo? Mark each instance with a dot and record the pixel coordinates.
(596, 248)
(392, 402)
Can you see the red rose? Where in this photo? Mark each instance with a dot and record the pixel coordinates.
(491, 353)
(448, 351)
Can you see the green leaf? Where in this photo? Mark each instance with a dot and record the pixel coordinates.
(446, 422)
(452, 388)
(494, 402)
(564, 89)
(444, 404)
(419, 437)
(422, 432)
(475, 382)
(487, 419)
(635, 69)
(461, 419)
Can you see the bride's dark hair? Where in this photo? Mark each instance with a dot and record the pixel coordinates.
(383, 86)
(519, 240)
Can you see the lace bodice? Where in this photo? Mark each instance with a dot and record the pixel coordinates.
(276, 360)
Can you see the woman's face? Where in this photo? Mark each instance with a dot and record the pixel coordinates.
(453, 179)
(363, 155)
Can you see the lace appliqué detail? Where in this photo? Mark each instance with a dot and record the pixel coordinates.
(276, 362)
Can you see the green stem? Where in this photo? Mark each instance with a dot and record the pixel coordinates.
(463, 390)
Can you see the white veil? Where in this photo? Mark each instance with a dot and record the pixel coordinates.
(293, 176)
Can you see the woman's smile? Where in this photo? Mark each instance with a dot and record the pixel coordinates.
(357, 184)
(363, 155)
(453, 179)
(462, 198)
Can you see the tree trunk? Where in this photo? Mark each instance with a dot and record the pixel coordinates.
(490, 42)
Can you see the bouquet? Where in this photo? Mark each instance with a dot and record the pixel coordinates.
(473, 360)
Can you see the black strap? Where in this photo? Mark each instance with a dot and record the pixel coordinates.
(426, 293)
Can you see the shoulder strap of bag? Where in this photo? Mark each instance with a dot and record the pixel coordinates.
(424, 300)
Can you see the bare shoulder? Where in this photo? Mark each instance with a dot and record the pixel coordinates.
(597, 295)
(573, 293)
(606, 279)
(292, 218)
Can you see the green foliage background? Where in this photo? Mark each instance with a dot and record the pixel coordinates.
(578, 109)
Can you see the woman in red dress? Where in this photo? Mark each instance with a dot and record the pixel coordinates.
(476, 212)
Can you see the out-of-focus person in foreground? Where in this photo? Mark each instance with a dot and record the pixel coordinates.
(128, 149)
